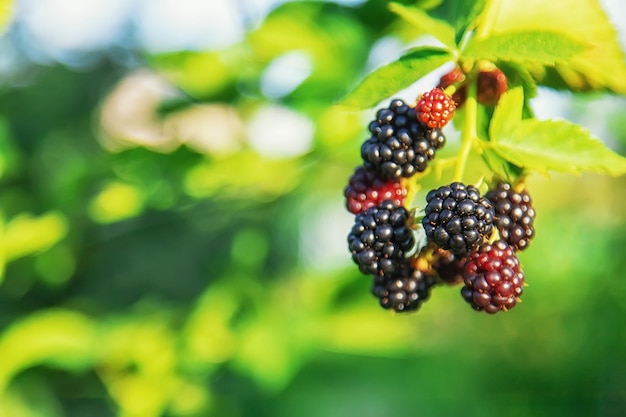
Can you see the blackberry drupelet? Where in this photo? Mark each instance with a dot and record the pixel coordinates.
(405, 290)
(366, 189)
(493, 278)
(457, 218)
(380, 239)
(399, 146)
(435, 108)
(514, 215)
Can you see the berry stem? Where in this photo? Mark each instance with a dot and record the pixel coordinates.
(469, 129)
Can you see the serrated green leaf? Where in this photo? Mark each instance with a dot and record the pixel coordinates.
(440, 29)
(461, 14)
(391, 78)
(508, 113)
(559, 146)
(535, 47)
(601, 67)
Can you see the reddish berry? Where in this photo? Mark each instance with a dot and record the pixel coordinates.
(493, 278)
(491, 85)
(456, 76)
(514, 215)
(435, 109)
(367, 189)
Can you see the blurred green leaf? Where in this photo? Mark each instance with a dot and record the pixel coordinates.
(600, 67)
(6, 12)
(60, 338)
(532, 47)
(461, 14)
(422, 21)
(26, 234)
(391, 78)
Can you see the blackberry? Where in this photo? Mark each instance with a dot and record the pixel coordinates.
(399, 145)
(514, 215)
(493, 278)
(456, 76)
(380, 239)
(491, 84)
(366, 189)
(435, 108)
(456, 218)
(404, 290)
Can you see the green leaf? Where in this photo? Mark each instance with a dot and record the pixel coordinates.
(500, 167)
(461, 14)
(601, 67)
(557, 146)
(537, 47)
(508, 113)
(391, 78)
(6, 12)
(421, 20)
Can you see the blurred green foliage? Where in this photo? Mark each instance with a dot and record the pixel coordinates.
(149, 276)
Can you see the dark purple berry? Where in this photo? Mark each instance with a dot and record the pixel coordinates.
(514, 215)
(457, 218)
(380, 239)
(493, 278)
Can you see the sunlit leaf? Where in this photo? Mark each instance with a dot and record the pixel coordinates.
(6, 12)
(560, 146)
(600, 67)
(508, 113)
(422, 21)
(535, 47)
(57, 337)
(391, 78)
(461, 14)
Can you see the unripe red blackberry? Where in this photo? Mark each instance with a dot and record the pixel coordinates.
(491, 85)
(404, 290)
(380, 239)
(399, 146)
(457, 218)
(456, 76)
(514, 215)
(493, 278)
(366, 189)
(435, 108)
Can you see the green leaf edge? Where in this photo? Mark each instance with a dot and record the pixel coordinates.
(418, 62)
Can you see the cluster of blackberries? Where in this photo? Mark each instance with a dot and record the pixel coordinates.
(472, 239)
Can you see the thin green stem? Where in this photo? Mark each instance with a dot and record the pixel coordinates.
(489, 17)
(468, 135)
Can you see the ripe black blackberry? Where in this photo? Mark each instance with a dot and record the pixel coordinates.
(405, 290)
(366, 189)
(457, 218)
(380, 239)
(514, 215)
(493, 278)
(400, 146)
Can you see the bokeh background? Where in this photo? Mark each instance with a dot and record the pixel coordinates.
(172, 228)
